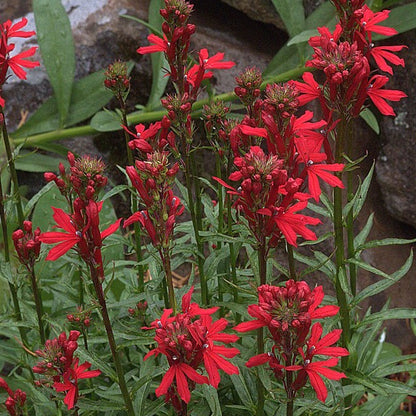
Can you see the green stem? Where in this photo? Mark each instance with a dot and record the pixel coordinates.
(220, 227)
(350, 216)
(134, 206)
(110, 335)
(38, 304)
(195, 223)
(12, 168)
(291, 260)
(339, 238)
(12, 287)
(145, 117)
(165, 256)
(262, 261)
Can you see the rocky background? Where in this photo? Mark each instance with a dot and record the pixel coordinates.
(249, 33)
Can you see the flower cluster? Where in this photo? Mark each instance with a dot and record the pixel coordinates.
(27, 245)
(345, 56)
(15, 401)
(276, 184)
(188, 341)
(84, 180)
(81, 227)
(15, 62)
(59, 367)
(80, 318)
(175, 44)
(117, 79)
(153, 179)
(288, 312)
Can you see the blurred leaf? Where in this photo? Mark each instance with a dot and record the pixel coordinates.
(292, 14)
(401, 18)
(303, 37)
(88, 96)
(57, 49)
(381, 406)
(287, 58)
(35, 162)
(368, 116)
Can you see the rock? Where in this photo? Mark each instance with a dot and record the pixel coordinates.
(101, 36)
(264, 11)
(396, 168)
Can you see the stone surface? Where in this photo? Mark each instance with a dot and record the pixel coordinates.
(264, 11)
(396, 168)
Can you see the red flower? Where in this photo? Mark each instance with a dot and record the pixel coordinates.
(315, 371)
(178, 373)
(13, 31)
(381, 54)
(73, 235)
(18, 61)
(70, 383)
(379, 95)
(370, 20)
(66, 240)
(291, 225)
(159, 45)
(317, 346)
(16, 400)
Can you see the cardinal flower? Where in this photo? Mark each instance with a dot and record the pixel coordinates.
(70, 383)
(315, 371)
(379, 95)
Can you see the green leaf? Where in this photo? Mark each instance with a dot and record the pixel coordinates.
(35, 198)
(42, 214)
(368, 116)
(57, 50)
(211, 396)
(385, 283)
(292, 14)
(159, 62)
(361, 378)
(35, 162)
(398, 313)
(363, 234)
(385, 242)
(97, 362)
(401, 18)
(88, 96)
(303, 37)
(381, 406)
(242, 390)
(106, 121)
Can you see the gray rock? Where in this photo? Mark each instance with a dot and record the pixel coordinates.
(264, 11)
(396, 168)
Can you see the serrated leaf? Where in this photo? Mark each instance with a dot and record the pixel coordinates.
(97, 363)
(368, 116)
(242, 390)
(385, 283)
(57, 49)
(363, 234)
(363, 379)
(211, 396)
(398, 313)
(365, 186)
(385, 242)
